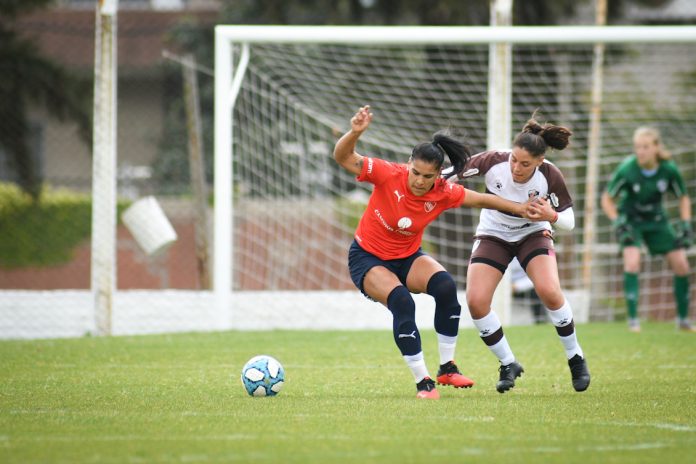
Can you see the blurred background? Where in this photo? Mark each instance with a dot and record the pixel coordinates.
(286, 122)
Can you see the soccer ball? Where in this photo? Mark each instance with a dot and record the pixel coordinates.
(263, 376)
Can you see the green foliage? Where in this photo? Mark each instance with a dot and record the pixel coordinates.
(29, 80)
(44, 232)
(348, 398)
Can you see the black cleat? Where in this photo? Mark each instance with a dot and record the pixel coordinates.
(426, 389)
(508, 374)
(579, 373)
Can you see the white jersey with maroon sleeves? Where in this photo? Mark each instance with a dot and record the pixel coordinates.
(546, 182)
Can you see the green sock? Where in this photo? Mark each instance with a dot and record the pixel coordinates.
(631, 294)
(681, 294)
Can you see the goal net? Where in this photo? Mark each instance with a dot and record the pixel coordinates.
(294, 210)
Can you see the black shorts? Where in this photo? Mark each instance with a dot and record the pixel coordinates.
(361, 261)
(498, 253)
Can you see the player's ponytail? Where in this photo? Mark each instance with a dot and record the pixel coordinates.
(535, 138)
(444, 144)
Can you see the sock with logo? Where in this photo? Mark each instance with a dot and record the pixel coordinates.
(562, 319)
(491, 332)
(403, 308)
(631, 294)
(443, 289)
(681, 295)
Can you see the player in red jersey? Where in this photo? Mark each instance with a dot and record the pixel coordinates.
(385, 259)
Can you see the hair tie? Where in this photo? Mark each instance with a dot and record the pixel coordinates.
(440, 148)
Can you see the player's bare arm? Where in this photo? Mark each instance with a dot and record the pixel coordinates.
(609, 206)
(486, 200)
(685, 208)
(344, 151)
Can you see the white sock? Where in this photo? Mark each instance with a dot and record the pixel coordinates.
(446, 346)
(490, 324)
(417, 365)
(561, 317)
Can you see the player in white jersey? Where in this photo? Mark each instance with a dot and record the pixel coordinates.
(521, 174)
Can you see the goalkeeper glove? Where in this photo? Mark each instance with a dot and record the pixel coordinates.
(624, 231)
(685, 234)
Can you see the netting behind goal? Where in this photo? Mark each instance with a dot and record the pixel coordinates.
(295, 210)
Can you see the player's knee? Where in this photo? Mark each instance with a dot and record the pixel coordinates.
(401, 304)
(442, 287)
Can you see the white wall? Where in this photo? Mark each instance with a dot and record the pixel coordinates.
(59, 314)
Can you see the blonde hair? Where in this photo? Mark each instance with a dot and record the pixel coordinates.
(662, 153)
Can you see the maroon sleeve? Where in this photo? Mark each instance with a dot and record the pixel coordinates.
(480, 163)
(558, 193)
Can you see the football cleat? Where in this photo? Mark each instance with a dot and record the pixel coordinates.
(634, 325)
(508, 374)
(579, 373)
(449, 374)
(426, 389)
(685, 326)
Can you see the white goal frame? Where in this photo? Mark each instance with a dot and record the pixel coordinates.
(228, 80)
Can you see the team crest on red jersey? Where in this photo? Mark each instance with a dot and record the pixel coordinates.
(429, 206)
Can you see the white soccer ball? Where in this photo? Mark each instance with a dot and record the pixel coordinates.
(263, 376)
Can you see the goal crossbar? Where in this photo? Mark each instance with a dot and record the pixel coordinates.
(404, 35)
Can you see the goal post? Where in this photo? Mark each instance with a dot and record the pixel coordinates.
(296, 89)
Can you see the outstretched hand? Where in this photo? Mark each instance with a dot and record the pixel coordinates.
(361, 119)
(540, 209)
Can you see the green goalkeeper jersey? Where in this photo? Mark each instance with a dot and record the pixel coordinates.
(640, 195)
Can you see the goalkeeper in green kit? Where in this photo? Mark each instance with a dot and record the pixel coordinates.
(640, 219)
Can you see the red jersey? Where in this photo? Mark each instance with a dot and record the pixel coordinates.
(393, 223)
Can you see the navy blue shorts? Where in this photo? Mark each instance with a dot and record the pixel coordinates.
(360, 261)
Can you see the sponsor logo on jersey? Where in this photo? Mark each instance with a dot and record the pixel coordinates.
(370, 164)
(553, 198)
(532, 193)
(498, 184)
(398, 196)
(429, 206)
(662, 185)
(509, 227)
(405, 223)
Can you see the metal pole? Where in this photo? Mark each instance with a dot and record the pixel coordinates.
(197, 168)
(500, 121)
(103, 265)
(593, 151)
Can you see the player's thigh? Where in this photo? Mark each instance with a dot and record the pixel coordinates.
(420, 273)
(379, 283)
(543, 271)
(678, 262)
(481, 282)
(631, 259)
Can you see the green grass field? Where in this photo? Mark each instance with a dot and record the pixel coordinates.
(348, 397)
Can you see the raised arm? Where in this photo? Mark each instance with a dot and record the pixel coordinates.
(344, 151)
(475, 199)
